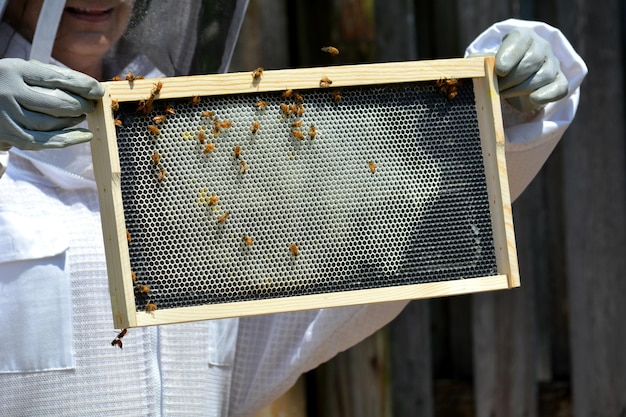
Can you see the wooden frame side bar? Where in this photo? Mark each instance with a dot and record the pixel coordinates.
(493, 141)
(108, 173)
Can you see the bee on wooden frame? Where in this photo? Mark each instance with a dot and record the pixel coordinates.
(156, 90)
(257, 74)
(150, 308)
(325, 82)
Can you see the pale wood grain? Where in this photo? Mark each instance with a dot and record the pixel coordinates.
(107, 171)
(308, 302)
(302, 78)
(492, 137)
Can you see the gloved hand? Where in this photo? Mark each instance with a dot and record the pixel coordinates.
(529, 74)
(38, 101)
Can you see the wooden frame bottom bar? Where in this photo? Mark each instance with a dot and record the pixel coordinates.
(316, 301)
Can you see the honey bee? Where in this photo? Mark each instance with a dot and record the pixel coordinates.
(255, 126)
(117, 122)
(293, 248)
(372, 166)
(156, 90)
(162, 174)
(201, 136)
(287, 93)
(243, 167)
(159, 119)
(336, 95)
(130, 77)
(128, 238)
(325, 82)
(115, 105)
(297, 123)
(209, 148)
(156, 157)
(150, 308)
(448, 87)
(195, 100)
(169, 110)
(298, 134)
(133, 276)
(143, 289)
(257, 74)
(212, 200)
(154, 130)
(247, 240)
(261, 105)
(145, 106)
(118, 339)
(331, 50)
(226, 124)
(293, 109)
(207, 114)
(284, 108)
(312, 132)
(116, 78)
(222, 219)
(299, 110)
(237, 151)
(298, 98)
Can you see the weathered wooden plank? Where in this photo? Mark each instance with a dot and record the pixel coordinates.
(594, 172)
(504, 371)
(411, 361)
(356, 382)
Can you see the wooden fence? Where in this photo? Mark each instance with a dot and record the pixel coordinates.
(557, 345)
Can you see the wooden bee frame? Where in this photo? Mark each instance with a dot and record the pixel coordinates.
(128, 305)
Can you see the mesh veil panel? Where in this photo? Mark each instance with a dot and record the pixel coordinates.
(180, 37)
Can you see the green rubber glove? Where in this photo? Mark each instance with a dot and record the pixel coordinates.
(39, 104)
(529, 74)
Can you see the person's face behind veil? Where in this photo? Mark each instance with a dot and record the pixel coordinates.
(88, 28)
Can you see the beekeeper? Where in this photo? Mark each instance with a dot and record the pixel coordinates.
(55, 316)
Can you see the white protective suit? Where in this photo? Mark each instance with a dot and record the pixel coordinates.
(55, 316)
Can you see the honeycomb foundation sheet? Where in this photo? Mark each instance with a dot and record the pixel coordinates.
(261, 201)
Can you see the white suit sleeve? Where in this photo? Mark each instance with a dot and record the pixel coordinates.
(531, 137)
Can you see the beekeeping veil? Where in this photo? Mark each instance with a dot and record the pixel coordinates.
(180, 37)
